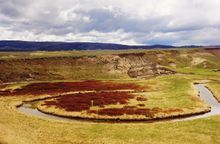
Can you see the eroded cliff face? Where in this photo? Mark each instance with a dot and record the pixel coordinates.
(136, 65)
(106, 66)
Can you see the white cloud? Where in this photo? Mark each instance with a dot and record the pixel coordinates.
(118, 36)
(120, 21)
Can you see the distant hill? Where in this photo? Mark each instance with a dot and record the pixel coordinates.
(56, 46)
(6, 45)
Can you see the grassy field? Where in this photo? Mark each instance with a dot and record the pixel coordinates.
(215, 85)
(165, 92)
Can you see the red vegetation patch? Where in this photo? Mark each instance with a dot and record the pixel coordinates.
(122, 111)
(141, 105)
(79, 102)
(141, 99)
(214, 51)
(62, 87)
(132, 111)
(2, 86)
(131, 54)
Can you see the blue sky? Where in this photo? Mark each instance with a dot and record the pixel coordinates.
(175, 22)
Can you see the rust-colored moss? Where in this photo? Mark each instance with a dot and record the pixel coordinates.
(141, 99)
(131, 54)
(79, 102)
(214, 51)
(62, 87)
(133, 111)
(141, 105)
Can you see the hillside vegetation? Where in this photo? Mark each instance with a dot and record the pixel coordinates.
(79, 65)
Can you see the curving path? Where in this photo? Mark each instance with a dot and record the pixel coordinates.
(204, 94)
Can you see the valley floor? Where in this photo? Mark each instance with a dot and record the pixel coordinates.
(165, 91)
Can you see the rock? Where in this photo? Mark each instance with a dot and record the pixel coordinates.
(149, 71)
(135, 65)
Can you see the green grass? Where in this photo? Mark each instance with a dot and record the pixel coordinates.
(216, 86)
(73, 53)
(175, 92)
(80, 72)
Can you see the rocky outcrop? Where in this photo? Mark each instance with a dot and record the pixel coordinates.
(135, 65)
(149, 71)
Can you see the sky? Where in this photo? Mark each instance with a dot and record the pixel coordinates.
(132, 22)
